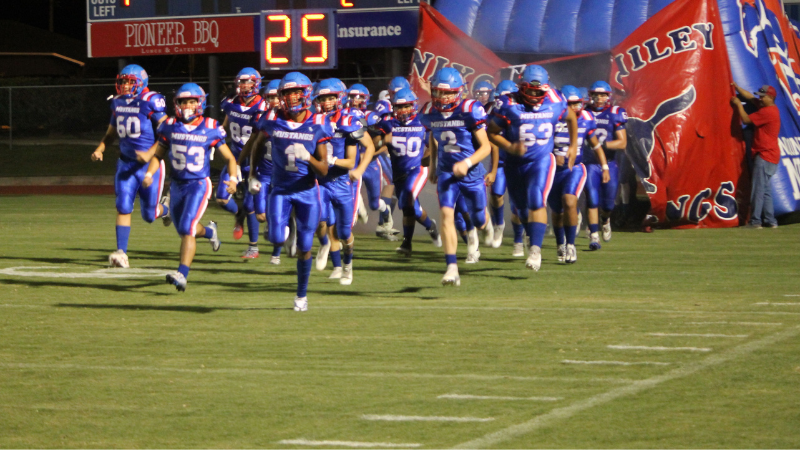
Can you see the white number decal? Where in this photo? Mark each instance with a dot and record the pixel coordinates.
(542, 135)
(130, 127)
(451, 142)
(161, 103)
(268, 152)
(179, 160)
(602, 135)
(240, 134)
(291, 159)
(406, 146)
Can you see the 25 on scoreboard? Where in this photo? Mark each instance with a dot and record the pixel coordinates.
(298, 39)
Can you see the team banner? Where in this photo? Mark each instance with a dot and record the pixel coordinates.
(675, 73)
(764, 49)
(442, 44)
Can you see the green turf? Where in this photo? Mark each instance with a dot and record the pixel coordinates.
(55, 161)
(110, 363)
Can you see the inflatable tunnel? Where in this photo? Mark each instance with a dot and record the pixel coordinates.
(566, 27)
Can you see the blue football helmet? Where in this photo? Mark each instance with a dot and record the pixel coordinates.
(248, 82)
(398, 83)
(405, 97)
(444, 84)
(506, 87)
(600, 87)
(329, 86)
(482, 88)
(534, 84)
(292, 81)
(572, 94)
(133, 75)
(358, 96)
(189, 91)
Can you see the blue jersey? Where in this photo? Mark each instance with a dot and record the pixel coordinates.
(190, 146)
(453, 134)
(368, 119)
(241, 119)
(408, 143)
(586, 129)
(347, 130)
(136, 120)
(534, 125)
(609, 120)
(498, 104)
(382, 108)
(290, 175)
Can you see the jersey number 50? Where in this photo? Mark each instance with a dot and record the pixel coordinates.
(402, 146)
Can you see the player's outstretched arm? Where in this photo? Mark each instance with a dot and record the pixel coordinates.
(433, 148)
(619, 143)
(572, 127)
(233, 168)
(366, 158)
(256, 140)
(145, 157)
(461, 168)
(108, 139)
(516, 149)
(491, 176)
(348, 162)
(319, 161)
(601, 156)
(159, 151)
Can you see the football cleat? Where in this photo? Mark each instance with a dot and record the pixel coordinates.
(238, 231)
(250, 253)
(534, 260)
(363, 214)
(434, 233)
(275, 260)
(594, 242)
(290, 244)
(347, 275)
(474, 257)
(488, 232)
(472, 241)
(118, 259)
(322, 256)
(166, 219)
(215, 242)
(301, 304)
(562, 252)
(404, 249)
(607, 230)
(336, 274)
(178, 280)
(572, 255)
(498, 235)
(517, 250)
(451, 277)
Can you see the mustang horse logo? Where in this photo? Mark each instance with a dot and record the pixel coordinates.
(641, 134)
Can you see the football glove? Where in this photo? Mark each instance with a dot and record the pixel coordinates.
(254, 185)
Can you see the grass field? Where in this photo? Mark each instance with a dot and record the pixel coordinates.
(674, 339)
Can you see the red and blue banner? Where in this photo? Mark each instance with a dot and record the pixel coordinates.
(764, 48)
(675, 78)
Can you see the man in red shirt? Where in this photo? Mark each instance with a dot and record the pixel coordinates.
(766, 152)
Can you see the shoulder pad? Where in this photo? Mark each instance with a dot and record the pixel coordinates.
(552, 94)
(358, 134)
(587, 115)
(211, 123)
(171, 121)
(272, 115)
(319, 119)
(466, 105)
(427, 108)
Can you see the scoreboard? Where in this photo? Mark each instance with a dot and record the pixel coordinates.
(288, 34)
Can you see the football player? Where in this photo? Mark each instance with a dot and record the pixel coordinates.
(242, 111)
(299, 154)
(405, 138)
(336, 191)
(376, 174)
(453, 123)
(568, 183)
(612, 136)
(528, 140)
(504, 94)
(136, 113)
(187, 140)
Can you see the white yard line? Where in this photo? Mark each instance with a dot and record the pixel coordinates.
(238, 371)
(699, 335)
(778, 304)
(548, 419)
(495, 397)
(660, 349)
(392, 418)
(306, 442)
(766, 324)
(791, 295)
(616, 363)
(576, 309)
